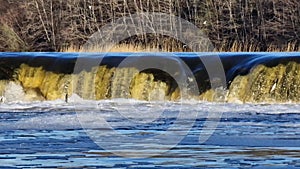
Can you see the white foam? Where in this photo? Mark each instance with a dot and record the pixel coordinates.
(61, 114)
(75, 98)
(14, 92)
(16, 103)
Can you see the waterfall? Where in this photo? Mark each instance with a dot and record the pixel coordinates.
(267, 84)
(251, 78)
(99, 83)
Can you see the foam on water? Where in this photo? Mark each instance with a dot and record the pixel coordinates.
(75, 102)
(58, 114)
(49, 134)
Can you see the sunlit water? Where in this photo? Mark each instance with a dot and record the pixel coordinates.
(49, 135)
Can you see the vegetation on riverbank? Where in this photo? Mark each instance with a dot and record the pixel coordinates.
(291, 47)
(231, 25)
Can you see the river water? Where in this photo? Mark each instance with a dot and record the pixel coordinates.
(125, 133)
(54, 134)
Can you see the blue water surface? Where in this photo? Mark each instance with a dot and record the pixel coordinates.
(247, 136)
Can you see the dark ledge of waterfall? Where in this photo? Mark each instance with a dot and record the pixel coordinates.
(234, 64)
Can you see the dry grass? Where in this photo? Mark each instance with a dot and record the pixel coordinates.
(236, 47)
(117, 48)
(253, 47)
(168, 46)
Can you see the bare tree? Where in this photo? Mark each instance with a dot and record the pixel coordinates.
(50, 25)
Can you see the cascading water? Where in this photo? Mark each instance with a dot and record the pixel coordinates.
(252, 77)
(268, 84)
